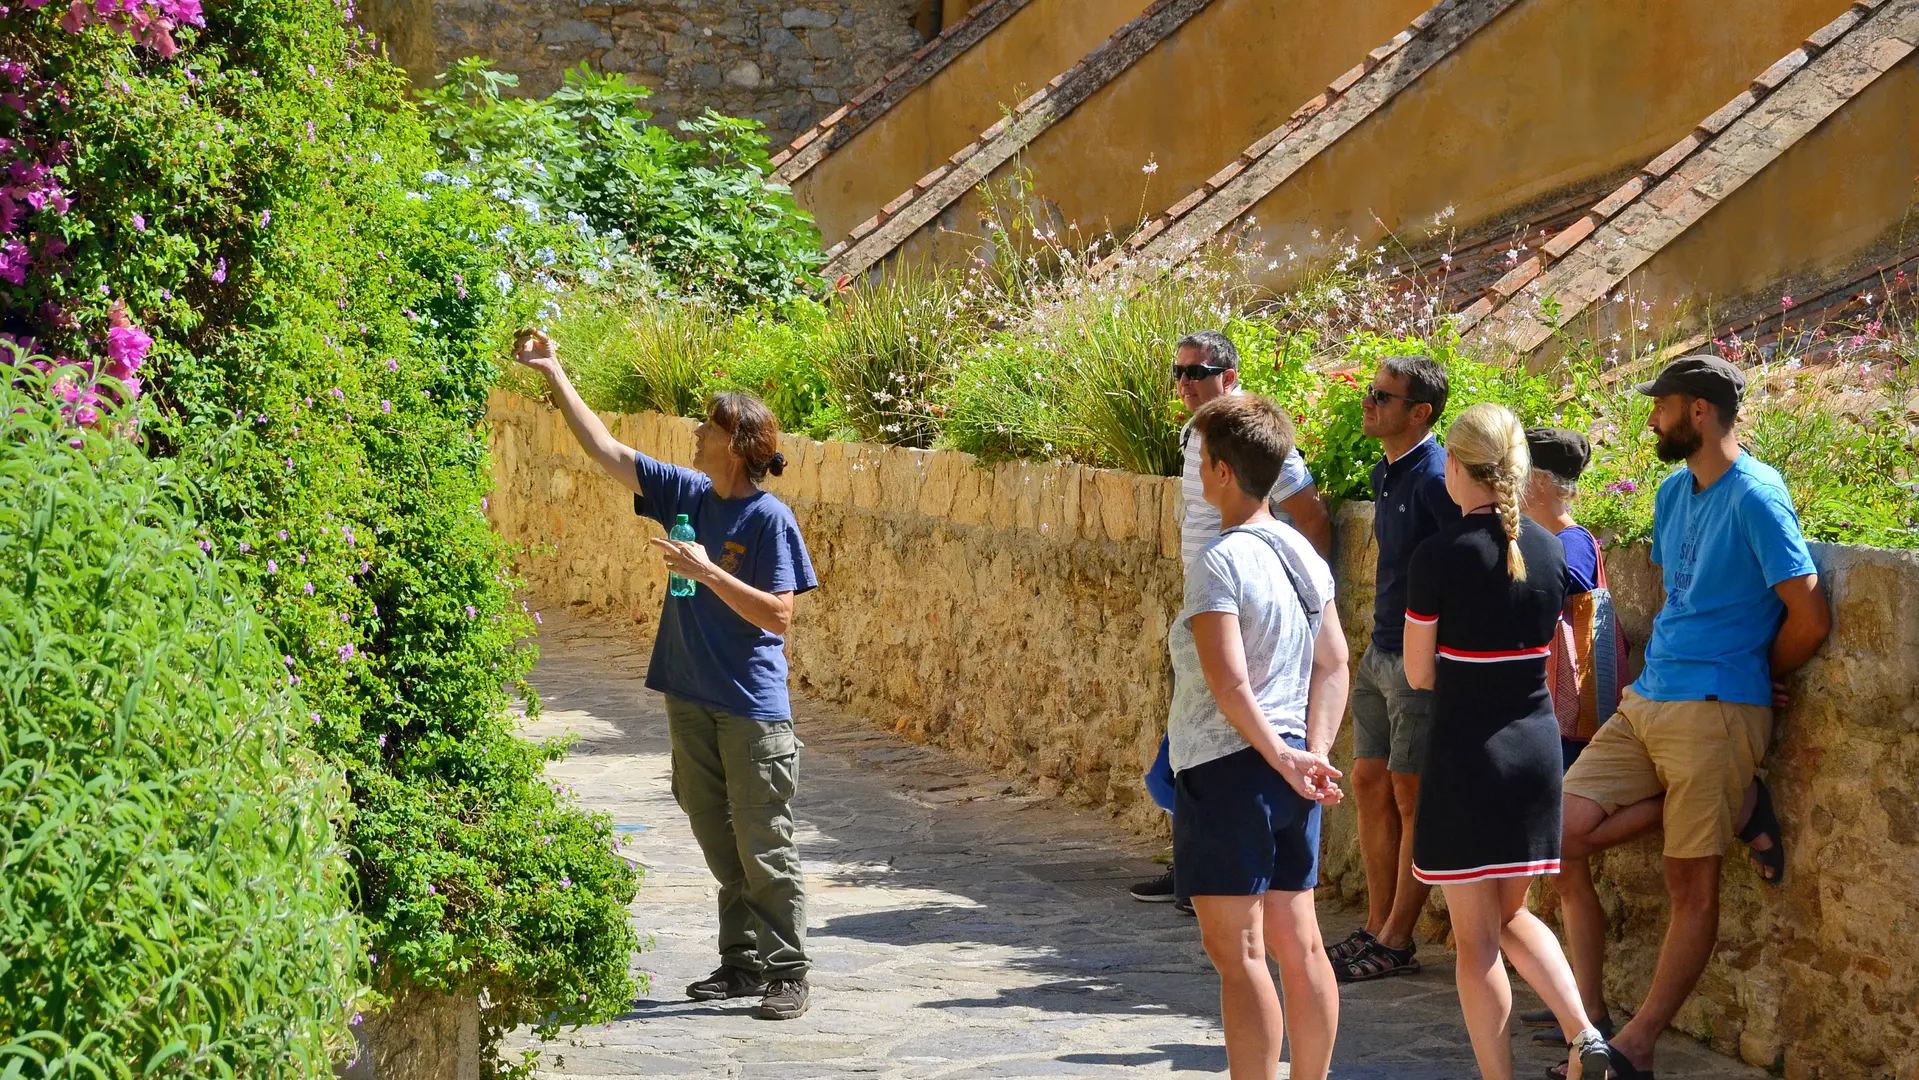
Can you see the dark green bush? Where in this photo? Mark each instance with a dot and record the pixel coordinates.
(693, 215)
(173, 894)
(325, 335)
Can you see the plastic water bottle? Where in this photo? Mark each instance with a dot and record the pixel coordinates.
(675, 584)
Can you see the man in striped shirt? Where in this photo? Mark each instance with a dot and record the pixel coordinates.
(1207, 366)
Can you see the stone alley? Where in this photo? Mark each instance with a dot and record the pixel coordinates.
(960, 927)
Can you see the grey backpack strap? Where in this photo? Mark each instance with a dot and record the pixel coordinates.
(1314, 614)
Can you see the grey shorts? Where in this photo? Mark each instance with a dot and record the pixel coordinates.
(1389, 720)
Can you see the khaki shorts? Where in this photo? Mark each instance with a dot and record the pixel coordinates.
(1702, 755)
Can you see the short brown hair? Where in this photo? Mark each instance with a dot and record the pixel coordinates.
(754, 430)
(1248, 433)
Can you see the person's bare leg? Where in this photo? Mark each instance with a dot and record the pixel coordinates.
(1485, 995)
(1535, 954)
(1693, 887)
(1629, 822)
(1409, 893)
(1379, 829)
(1579, 908)
(1231, 929)
(1312, 993)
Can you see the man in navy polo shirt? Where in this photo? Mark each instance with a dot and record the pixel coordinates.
(1410, 503)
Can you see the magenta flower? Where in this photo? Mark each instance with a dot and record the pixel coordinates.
(14, 261)
(126, 349)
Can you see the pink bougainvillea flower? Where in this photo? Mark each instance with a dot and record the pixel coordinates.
(14, 261)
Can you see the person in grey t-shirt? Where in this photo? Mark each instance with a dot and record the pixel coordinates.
(1259, 686)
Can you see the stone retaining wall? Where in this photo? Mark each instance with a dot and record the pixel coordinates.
(1016, 614)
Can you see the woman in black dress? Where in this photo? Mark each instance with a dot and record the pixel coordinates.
(1483, 599)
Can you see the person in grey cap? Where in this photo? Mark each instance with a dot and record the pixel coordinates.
(1559, 455)
(1743, 608)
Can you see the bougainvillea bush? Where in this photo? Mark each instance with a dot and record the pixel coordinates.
(173, 891)
(232, 224)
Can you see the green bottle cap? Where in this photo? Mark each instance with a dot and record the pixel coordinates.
(680, 519)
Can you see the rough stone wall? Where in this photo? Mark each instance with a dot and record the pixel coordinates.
(423, 1036)
(1017, 614)
(784, 63)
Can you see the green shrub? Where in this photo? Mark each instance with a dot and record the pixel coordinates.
(1006, 400)
(684, 216)
(325, 335)
(173, 894)
(774, 354)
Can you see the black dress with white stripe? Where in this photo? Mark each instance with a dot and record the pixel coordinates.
(1489, 795)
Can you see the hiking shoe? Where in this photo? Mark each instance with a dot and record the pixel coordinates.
(727, 982)
(785, 999)
(1157, 891)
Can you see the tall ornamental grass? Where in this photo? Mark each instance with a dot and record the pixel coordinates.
(174, 895)
(886, 350)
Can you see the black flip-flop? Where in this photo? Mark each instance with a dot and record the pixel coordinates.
(1765, 822)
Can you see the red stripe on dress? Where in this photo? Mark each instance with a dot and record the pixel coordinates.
(1496, 656)
(1423, 620)
(1486, 873)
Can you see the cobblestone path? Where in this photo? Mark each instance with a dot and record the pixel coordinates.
(958, 927)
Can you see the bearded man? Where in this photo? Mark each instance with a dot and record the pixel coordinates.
(1743, 608)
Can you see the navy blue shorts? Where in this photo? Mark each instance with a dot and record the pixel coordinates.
(1239, 829)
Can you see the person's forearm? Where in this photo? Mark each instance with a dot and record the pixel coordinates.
(1325, 708)
(1797, 641)
(1242, 711)
(599, 443)
(1808, 621)
(770, 612)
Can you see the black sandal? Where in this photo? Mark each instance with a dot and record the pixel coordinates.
(1345, 951)
(1379, 961)
(1769, 864)
(1617, 1066)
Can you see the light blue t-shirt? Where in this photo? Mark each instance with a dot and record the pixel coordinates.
(1721, 551)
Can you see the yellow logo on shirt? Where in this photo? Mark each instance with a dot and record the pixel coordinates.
(730, 559)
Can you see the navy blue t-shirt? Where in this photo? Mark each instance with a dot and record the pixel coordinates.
(1582, 559)
(706, 653)
(1409, 504)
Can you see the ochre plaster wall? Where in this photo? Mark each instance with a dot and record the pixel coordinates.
(1016, 614)
(1554, 97)
(1231, 74)
(965, 97)
(1841, 200)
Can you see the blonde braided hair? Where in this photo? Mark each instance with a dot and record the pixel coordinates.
(1489, 442)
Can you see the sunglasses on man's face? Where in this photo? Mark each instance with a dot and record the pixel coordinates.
(1197, 372)
(1381, 398)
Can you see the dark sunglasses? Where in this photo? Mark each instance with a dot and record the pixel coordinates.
(1196, 372)
(1382, 397)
